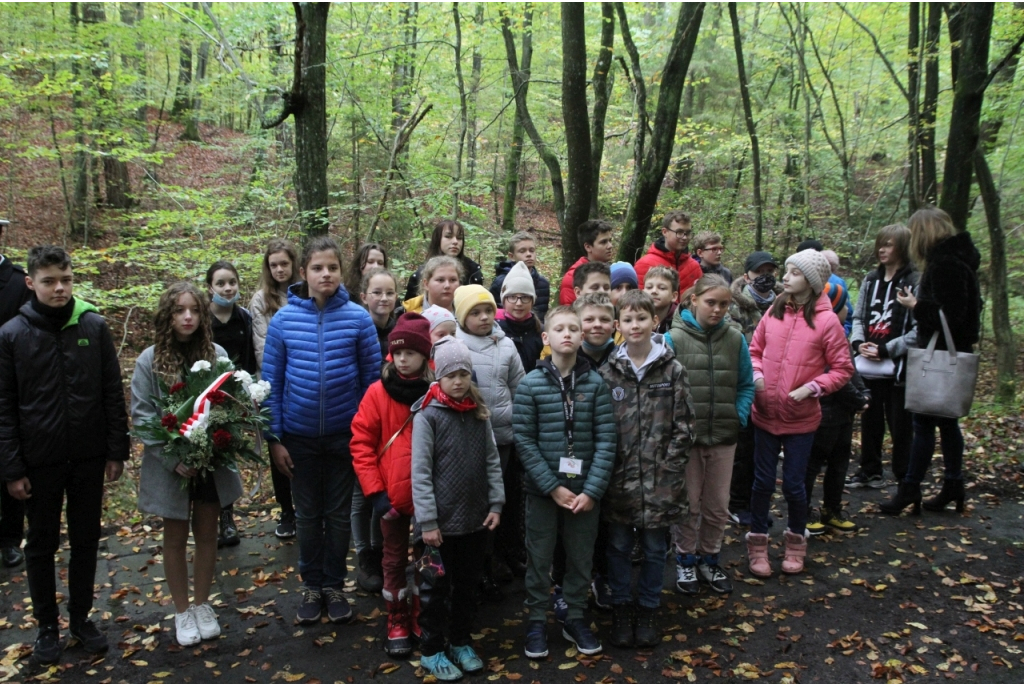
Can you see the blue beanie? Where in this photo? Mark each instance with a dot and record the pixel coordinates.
(623, 272)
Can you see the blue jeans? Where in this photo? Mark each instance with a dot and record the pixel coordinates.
(794, 470)
(923, 447)
(654, 542)
(322, 481)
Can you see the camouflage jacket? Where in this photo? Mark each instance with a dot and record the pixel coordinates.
(654, 421)
(744, 312)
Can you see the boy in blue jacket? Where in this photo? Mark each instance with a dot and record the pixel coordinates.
(565, 436)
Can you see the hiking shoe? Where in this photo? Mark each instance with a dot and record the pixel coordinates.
(536, 643)
(46, 650)
(228, 536)
(370, 577)
(440, 667)
(338, 608)
(836, 521)
(578, 632)
(815, 528)
(285, 527)
(862, 480)
(686, 574)
(12, 556)
(186, 631)
(623, 618)
(602, 593)
(311, 606)
(91, 639)
(206, 621)
(560, 605)
(734, 518)
(646, 633)
(712, 575)
(465, 658)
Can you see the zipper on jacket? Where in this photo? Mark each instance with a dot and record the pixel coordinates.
(320, 353)
(711, 371)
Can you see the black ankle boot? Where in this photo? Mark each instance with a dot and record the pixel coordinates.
(623, 623)
(952, 491)
(908, 493)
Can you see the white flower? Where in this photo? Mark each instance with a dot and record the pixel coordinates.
(201, 365)
(226, 360)
(243, 377)
(259, 391)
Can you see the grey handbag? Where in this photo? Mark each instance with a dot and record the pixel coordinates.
(941, 382)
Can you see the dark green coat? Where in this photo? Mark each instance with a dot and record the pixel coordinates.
(538, 422)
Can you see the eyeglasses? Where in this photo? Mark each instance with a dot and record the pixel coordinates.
(718, 249)
(519, 299)
(681, 234)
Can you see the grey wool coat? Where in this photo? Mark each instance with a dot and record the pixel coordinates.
(161, 490)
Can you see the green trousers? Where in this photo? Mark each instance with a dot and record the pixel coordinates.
(544, 519)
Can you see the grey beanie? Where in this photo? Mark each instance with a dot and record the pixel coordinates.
(518, 281)
(451, 355)
(814, 266)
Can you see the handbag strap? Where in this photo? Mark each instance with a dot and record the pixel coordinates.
(949, 341)
(397, 433)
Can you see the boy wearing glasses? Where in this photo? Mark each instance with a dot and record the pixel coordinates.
(709, 248)
(671, 250)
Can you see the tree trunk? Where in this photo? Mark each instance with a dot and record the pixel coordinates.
(191, 132)
(602, 92)
(639, 87)
(748, 115)
(913, 89)
(474, 92)
(965, 117)
(519, 79)
(403, 70)
(515, 152)
(311, 118)
(183, 92)
(648, 186)
(463, 110)
(80, 165)
(929, 183)
(576, 117)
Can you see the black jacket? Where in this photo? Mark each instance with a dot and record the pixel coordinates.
(527, 337)
(61, 395)
(950, 282)
(13, 291)
(540, 284)
(474, 274)
(841, 406)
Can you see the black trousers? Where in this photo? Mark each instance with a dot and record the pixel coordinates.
(831, 450)
(448, 604)
(742, 471)
(509, 537)
(282, 491)
(12, 519)
(886, 407)
(82, 484)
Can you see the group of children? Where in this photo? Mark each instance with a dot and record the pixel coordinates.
(501, 435)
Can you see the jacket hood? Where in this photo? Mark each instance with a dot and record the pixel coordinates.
(582, 366)
(904, 271)
(691, 321)
(959, 247)
(80, 307)
(502, 267)
(338, 299)
(620, 358)
(480, 343)
(658, 247)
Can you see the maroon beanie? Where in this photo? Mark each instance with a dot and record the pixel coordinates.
(411, 332)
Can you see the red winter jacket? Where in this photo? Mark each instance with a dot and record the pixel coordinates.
(379, 417)
(787, 354)
(658, 255)
(566, 293)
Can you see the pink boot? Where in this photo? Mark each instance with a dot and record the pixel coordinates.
(796, 550)
(757, 555)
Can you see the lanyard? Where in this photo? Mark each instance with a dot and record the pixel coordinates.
(568, 406)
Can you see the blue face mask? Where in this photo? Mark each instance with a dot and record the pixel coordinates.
(222, 302)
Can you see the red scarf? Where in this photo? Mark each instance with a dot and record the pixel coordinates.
(436, 393)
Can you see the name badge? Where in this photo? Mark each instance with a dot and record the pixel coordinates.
(570, 466)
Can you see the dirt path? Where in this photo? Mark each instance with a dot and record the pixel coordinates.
(917, 599)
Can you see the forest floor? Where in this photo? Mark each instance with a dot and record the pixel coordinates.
(908, 599)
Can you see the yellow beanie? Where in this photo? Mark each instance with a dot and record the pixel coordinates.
(469, 296)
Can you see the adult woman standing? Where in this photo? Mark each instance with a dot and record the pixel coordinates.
(448, 239)
(882, 328)
(949, 284)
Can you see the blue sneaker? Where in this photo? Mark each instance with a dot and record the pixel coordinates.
(466, 658)
(578, 632)
(559, 604)
(441, 668)
(536, 646)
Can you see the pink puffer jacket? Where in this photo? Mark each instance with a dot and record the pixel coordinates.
(788, 353)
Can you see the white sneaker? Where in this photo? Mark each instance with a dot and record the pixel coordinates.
(206, 619)
(186, 630)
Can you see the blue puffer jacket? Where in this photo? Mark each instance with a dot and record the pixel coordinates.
(319, 364)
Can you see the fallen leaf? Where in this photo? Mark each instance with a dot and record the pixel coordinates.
(568, 665)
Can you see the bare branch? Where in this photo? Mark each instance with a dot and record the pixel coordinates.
(878, 51)
(1004, 61)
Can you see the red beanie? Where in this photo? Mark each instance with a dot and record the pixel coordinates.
(411, 332)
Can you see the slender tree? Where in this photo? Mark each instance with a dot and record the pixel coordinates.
(515, 151)
(602, 84)
(576, 117)
(930, 104)
(748, 116)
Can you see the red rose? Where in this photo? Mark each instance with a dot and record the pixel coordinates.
(221, 439)
(216, 397)
(169, 421)
(176, 387)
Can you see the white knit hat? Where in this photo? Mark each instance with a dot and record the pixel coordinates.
(518, 281)
(814, 267)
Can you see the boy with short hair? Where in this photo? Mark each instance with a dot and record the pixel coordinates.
(63, 427)
(595, 237)
(654, 420)
(522, 247)
(597, 316)
(592, 277)
(709, 247)
(565, 438)
(662, 284)
(623, 280)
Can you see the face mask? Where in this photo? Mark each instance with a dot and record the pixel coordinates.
(765, 283)
(222, 302)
